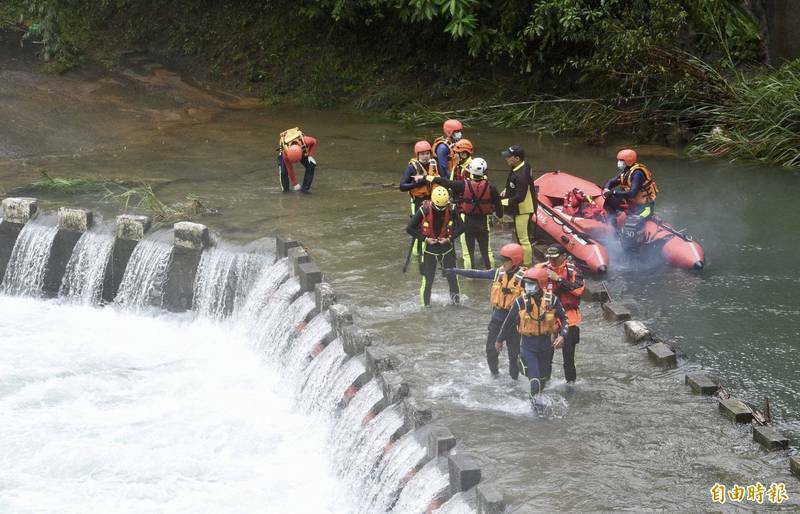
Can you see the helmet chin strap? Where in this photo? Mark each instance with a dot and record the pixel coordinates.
(437, 207)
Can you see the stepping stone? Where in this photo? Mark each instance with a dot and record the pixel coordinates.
(735, 410)
(662, 354)
(594, 291)
(615, 311)
(702, 383)
(490, 501)
(464, 472)
(635, 331)
(769, 439)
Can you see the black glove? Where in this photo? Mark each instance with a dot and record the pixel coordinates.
(507, 290)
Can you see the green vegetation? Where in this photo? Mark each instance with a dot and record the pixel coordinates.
(658, 70)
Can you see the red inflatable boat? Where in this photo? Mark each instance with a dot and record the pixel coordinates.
(571, 213)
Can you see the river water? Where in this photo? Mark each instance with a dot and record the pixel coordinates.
(629, 435)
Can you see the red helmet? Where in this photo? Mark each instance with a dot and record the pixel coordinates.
(463, 145)
(422, 146)
(293, 154)
(538, 275)
(451, 126)
(513, 252)
(627, 156)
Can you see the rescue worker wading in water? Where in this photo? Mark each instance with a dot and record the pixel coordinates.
(438, 224)
(535, 316)
(477, 198)
(444, 147)
(564, 279)
(414, 180)
(293, 147)
(636, 185)
(519, 197)
(506, 287)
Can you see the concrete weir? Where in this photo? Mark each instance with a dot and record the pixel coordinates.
(190, 241)
(16, 213)
(129, 231)
(72, 223)
(380, 364)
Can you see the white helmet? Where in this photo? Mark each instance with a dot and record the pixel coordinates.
(477, 167)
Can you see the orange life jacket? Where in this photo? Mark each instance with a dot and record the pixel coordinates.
(477, 198)
(570, 300)
(503, 280)
(452, 158)
(426, 227)
(648, 190)
(537, 320)
(432, 170)
(292, 136)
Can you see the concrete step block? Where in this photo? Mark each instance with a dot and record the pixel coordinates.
(490, 501)
(594, 291)
(282, 245)
(394, 387)
(702, 383)
(75, 220)
(735, 410)
(636, 331)
(19, 210)
(324, 296)
(440, 442)
(768, 438)
(131, 227)
(310, 275)
(189, 235)
(378, 360)
(616, 311)
(661, 354)
(465, 472)
(354, 339)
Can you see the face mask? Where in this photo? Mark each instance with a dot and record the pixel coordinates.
(457, 135)
(620, 165)
(530, 288)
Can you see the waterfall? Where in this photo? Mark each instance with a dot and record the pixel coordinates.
(388, 479)
(223, 279)
(143, 282)
(460, 503)
(83, 279)
(27, 265)
(312, 334)
(260, 296)
(320, 376)
(331, 394)
(425, 486)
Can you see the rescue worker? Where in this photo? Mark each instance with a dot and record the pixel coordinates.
(519, 197)
(565, 280)
(437, 224)
(535, 315)
(506, 287)
(477, 198)
(463, 149)
(443, 146)
(636, 185)
(414, 179)
(293, 147)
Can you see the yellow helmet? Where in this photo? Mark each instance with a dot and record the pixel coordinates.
(440, 197)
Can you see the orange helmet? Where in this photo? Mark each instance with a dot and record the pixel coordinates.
(293, 154)
(627, 156)
(513, 252)
(422, 146)
(538, 275)
(451, 126)
(463, 145)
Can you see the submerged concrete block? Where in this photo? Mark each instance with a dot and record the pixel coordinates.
(735, 410)
(192, 236)
(662, 354)
(702, 383)
(635, 331)
(72, 223)
(324, 296)
(297, 256)
(440, 442)
(309, 275)
(131, 227)
(339, 316)
(465, 472)
(768, 438)
(794, 465)
(615, 311)
(75, 220)
(394, 387)
(593, 290)
(416, 412)
(489, 499)
(19, 210)
(354, 339)
(378, 360)
(282, 245)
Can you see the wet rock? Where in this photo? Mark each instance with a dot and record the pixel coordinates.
(769, 439)
(735, 410)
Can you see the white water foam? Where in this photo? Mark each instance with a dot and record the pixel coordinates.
(83, 279)
(143, 282)
(27, 266)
